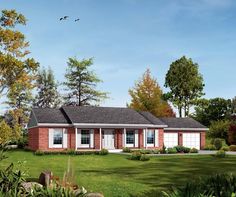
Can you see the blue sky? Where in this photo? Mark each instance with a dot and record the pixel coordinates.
(127, 36)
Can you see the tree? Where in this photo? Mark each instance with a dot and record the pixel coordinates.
(14, 66)
(232, 134)
(233, 105)
(48, 95)
(5, 132)
(219, 129)
(212, 110)
(185, 83)
(147, 96)
(81, 84)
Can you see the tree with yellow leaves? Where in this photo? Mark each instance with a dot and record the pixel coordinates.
(147, 96)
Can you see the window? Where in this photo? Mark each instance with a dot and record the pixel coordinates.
(57, 137)
(129, 137)
(85, 137)
(150, 137)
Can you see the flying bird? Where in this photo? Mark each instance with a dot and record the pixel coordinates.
(64, 18)
(76, 19)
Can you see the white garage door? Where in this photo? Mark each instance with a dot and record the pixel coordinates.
(170, 139)
(191, 140)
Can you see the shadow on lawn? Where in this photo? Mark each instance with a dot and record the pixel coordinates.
(162, 174)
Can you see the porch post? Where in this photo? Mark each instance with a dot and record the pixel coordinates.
(124, 137)
(100, 136)
(145, 138)
(76, 138)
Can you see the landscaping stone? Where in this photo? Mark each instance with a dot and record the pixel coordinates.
(94, 195)
(45, 177)
(28, 186)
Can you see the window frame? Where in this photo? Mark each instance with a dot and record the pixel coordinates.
(56, 130)
(88, 136)
(153, 136)
(133, 133)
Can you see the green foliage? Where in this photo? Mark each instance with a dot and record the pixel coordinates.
(232, 147)
(163, 150)
(182, 149)
(22, 142)
(214, 109)
(219, 185)
(126, 150)
(47, 90)
(171, 150)
(219, 129)
(185, 83)
(136, 155)
(148, 96)
(210, 147)
(193, 150)
(146, 151)
(103, 152)
(144, 157)
(5, 132)
(225, 148)
(220, 154)
(39, 153)
(71, 151)
(218, 143)
(81, 84)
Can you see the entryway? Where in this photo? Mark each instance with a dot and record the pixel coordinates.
(108, 139)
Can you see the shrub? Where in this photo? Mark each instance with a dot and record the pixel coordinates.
(220, 154)
(232, 134)
(103, 152)
(219, 129)
(218, 143)
(210, 147)
(22, 142)
(126, 150)
(71, 152)
(144, 157)
(143, 151)
(163, 150)
(232, 147)
(39, 153)
(193, 150)
(182, 149)
(136, 155)
(225, 148)
(156, 151)
(171, 150)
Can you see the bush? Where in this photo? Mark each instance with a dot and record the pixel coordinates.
(232, 147)
(22, 142)
(156, 151)
(171, 150)
(163, 150)
(39, 153)
(145, 151)
(182, 149)
(144, 157)
(219, 129)
(126, 150)
(193, 150)
(136, 155)
(220, 154)
(225, 148)
(232, 134)
(210, 147)
(103, 152)
(218, 143)
(71, 152)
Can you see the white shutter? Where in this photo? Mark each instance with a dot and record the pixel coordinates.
(64, 138)
(91, 138)
(136, 138)
(156, 138)
(144, 137)
(79, 137)
(124, 138)
(50, 138)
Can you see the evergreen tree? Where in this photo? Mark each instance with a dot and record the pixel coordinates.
(147, 96)
(81, 84)
(48, 95)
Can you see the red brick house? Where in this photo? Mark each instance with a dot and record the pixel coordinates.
(89, 127)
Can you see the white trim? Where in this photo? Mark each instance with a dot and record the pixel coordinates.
(147, 144)
(136, 138)
(156, 135)
(54, 125)
(79, 138)
(95, 125)
(76, 141)
(100, 136)
(65, 138)
(186, 129)
(91, 138)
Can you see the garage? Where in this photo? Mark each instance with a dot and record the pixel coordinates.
(170, 139)
(191, 140)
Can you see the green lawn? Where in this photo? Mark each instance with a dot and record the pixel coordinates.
(115, 175)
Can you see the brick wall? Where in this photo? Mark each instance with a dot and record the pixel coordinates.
(203, 140)
(33, 137)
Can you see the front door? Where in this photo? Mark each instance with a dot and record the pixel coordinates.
(108, 139)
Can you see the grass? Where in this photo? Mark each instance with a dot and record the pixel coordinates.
(115, 175)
